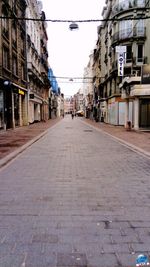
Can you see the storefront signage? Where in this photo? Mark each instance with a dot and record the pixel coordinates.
(145, 74)
(21, 92)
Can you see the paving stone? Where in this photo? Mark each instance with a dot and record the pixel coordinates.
(71, 260)
(74, 197)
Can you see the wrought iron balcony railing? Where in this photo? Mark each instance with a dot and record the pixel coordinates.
(135, 32)
(127, 5)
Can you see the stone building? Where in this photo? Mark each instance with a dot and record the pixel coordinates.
(24, 84)
(88, 88)
(13, 78)
(37, 63)
(124, 25)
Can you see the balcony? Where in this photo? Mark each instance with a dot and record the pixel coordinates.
(127, 5)
(139, 61)
(136, 32)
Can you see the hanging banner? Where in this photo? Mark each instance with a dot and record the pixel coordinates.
(120, 64)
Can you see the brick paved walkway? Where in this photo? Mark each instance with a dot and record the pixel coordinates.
(10, 140)
(139, 139)
(75, 198)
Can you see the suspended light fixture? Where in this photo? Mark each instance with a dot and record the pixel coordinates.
(73, 26)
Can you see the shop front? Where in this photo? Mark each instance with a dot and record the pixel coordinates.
(141, 94)
(13, 105)
(144, 120)
(116, 111)
(35, 108)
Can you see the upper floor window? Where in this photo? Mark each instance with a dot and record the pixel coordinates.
(128, 53)
(5, 22)
(5, 55)
(140, 27)
(14, 65)
(125, 29)
(141, 3)
(140, 53)
(14, 34)
(22, 45)
(22, 71)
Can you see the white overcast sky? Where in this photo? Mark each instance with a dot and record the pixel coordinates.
(69, 50)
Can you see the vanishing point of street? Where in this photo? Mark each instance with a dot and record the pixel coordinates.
(76, 197)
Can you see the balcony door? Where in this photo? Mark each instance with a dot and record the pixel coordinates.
(125, 29)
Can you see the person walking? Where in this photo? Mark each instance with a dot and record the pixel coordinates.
(72, 115)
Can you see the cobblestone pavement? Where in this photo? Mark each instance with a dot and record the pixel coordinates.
(139, 140)
(75, 198)
(11, 139)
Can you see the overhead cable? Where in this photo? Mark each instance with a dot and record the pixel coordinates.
(76, 21)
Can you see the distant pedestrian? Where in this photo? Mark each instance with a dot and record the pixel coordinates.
(72, 115)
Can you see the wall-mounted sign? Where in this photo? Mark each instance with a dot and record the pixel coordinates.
(120, 64)
(145, 79)
(21, 92)
(121, 49)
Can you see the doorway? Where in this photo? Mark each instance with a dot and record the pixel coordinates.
(144, 113)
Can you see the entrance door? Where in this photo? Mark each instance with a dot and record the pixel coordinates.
(145, 113)
(16, 109)
(8, 109)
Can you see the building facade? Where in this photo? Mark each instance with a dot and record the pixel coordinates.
(13, 78)
(37, 63)
(88, 88)
(24, 84)
(124, 25)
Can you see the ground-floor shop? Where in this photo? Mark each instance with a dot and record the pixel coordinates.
(38, 108)
(34, 108)
(142, 109)
(113, 111)
(13, 106)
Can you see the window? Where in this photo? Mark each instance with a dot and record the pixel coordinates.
(140, 53)
(14, 65)
(5, 22)
(129, 54)
(140, 28)
(141, 3)
(14, 34)
(125, 29)
(22, 45)
(6, 63)
(23, 72)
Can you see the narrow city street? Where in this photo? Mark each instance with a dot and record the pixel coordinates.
(75, 198)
